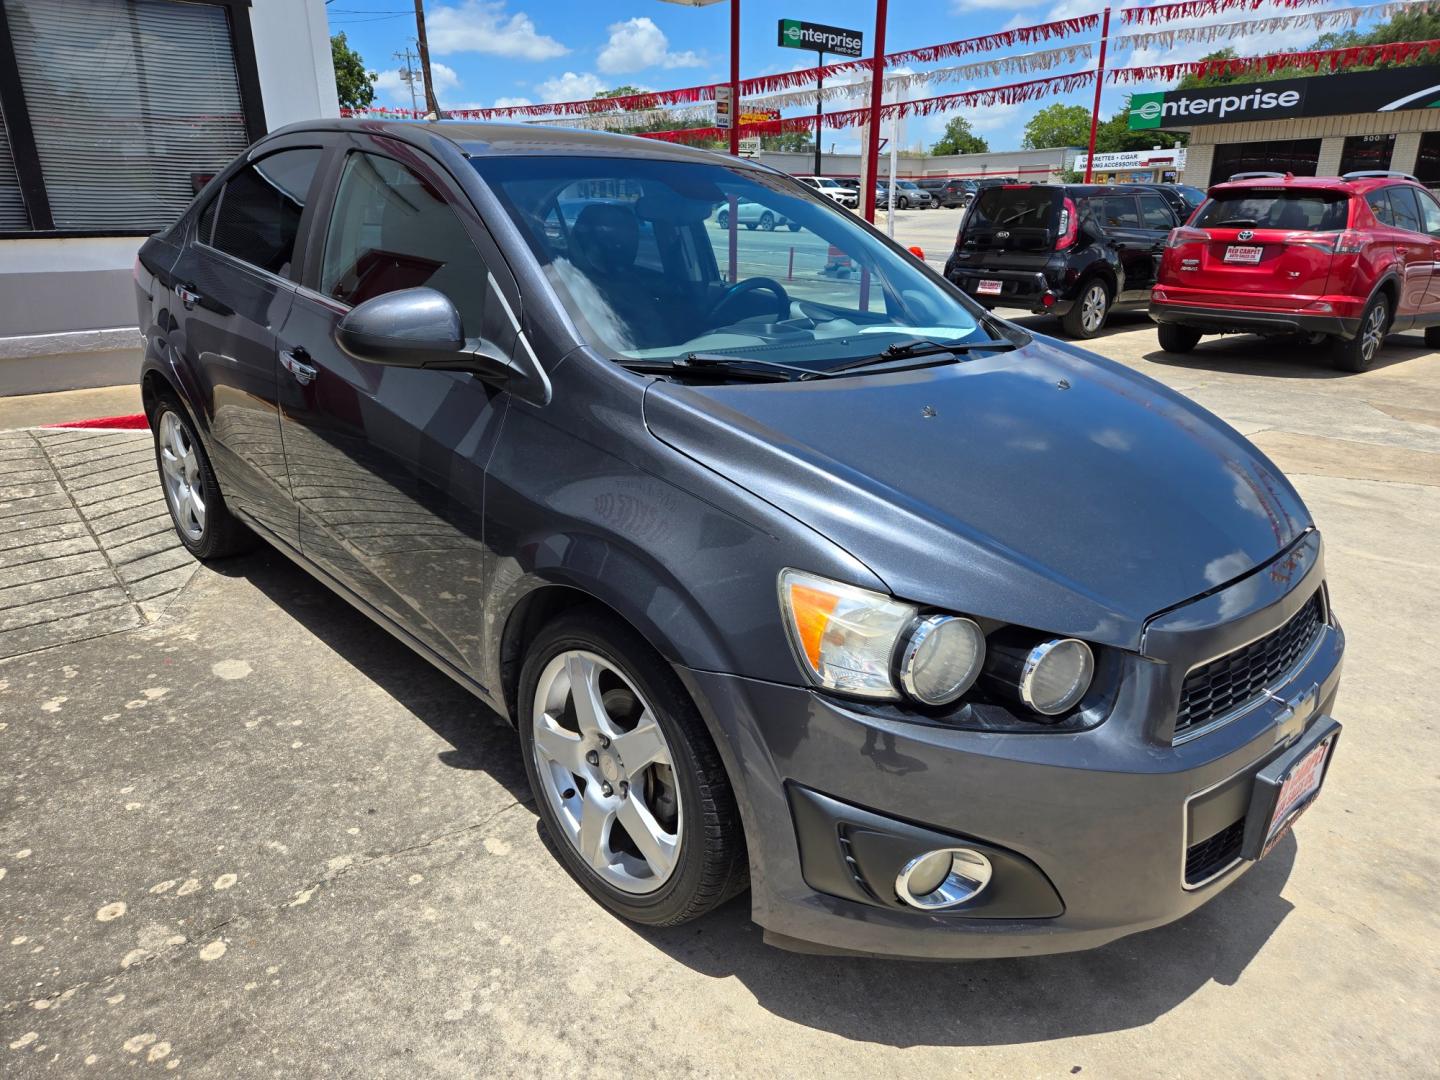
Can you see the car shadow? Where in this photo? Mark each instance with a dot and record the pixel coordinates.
(898, 1003)
(1119, 322)
(1247, 353)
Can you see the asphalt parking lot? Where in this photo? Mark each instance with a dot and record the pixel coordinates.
(244, 833)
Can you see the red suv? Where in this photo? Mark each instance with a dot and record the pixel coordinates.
(1349, 258)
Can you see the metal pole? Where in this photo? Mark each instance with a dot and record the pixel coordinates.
(819, 107)
(1099, 85)
(432, 103)
(894, 152)
(877, 85)
(734, 97)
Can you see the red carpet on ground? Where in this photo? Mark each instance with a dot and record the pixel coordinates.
(135, 422)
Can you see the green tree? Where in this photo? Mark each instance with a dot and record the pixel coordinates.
(1114, 135)
(1225, 78)
(959, 139)
(620, 91)
(354, 86)
(1058, 125)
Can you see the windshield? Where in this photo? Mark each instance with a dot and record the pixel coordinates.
(1258, 208)
(658, 259)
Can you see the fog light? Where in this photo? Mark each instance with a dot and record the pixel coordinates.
(943, 879)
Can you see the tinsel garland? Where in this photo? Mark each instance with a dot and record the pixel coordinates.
(1314, 59)
(1335, 19)
(1194, 9)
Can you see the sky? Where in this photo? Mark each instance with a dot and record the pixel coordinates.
(509, 52)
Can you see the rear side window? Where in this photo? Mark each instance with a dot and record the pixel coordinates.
(1257, 208)
(1017, 207)
(1405, 208)
(1112, 211)
(257, 217)
(1380, 206)
(1429, 211)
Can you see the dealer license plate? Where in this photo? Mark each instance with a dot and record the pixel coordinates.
(1241, 253)
(1298, 791)
(989, 288)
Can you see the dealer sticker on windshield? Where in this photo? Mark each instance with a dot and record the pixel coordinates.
(1242, 253)
(989, 288)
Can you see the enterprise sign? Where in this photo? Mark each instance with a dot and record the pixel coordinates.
(1329, 95)
(795, 34)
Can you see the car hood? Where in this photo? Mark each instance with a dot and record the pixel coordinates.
(1044, 486)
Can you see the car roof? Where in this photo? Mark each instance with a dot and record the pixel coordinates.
(1358, 186)
(485, 139)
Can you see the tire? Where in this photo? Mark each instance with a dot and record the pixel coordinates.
(192, 493)
(1178, 339)
(767, 221)
(1091, 309)
(749, 225)
(1359, 353)
(722, 219)
(902, 203)
(793, 226)
(689, 798)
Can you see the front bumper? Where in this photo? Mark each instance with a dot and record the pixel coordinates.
(1102, 817)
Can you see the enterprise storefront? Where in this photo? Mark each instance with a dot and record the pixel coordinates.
(1324, 125)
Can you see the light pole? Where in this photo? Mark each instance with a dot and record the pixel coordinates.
(872, 143)
(734, 69)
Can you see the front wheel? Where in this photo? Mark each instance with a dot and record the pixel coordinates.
(625, 777)
(1358, 354)
(902, 203)
(767, 221)
(1178, 339)
(1086, 318)
(722, 219)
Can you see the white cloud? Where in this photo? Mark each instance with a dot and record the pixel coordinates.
(393, 87)
(959, 6)
(484, 26)
(637, 44)
(507, 102)
(570, 87)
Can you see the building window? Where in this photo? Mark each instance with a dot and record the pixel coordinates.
(123, 101)
(1366, 152)
(1298, 156)
(1427, 162)
(12, 203)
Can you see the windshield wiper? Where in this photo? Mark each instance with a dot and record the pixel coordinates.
(695, 363)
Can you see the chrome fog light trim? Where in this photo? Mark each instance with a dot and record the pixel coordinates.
(944, 878)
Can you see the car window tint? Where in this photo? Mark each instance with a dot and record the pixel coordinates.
(1313, 211)
(1013, 207)
(207, 220)
(1114, 212)
(1429, 211)
(1155, 212)
(259, 211)
(1407, 211)
(1380, 206)
(392, 229)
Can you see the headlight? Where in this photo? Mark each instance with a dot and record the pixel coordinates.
(942, 658)
(844, 636)
(1055, 675)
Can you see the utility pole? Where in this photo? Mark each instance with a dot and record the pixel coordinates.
(408, 74)
(432, 105)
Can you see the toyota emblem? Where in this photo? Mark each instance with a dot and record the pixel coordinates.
(1245, 234)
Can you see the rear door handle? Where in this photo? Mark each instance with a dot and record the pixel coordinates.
(293, 361)
(188, 296)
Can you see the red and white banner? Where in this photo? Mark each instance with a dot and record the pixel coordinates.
(1317, 21)
(1195, 9)
(1314, 59)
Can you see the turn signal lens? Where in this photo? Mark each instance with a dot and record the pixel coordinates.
(843, 636)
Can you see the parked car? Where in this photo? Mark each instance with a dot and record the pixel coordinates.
(1183, 198)
(1075, 251)
(753, 216)
(907, 195)
(949, 193)
(690, 535)
(1344, 260)
(832, 189)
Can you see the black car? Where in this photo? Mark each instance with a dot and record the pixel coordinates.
(1077, 251)
(948, 192)
(1183, 198)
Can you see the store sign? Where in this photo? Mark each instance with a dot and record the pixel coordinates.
(750, 146)
(1329, 95)
(724, 117)
(795, 34)
(1135, 159)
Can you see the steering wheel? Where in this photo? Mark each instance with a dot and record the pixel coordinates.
(749, 285)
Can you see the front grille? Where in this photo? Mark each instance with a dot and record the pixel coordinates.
(1205, 859)
(1238, 678)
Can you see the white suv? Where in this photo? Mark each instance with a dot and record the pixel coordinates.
(832, 189)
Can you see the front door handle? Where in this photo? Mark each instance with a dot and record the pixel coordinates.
(188, 296)
(293, 361)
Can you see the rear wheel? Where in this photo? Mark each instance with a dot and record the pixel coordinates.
(1178, 339)
(1087, 317)
(793, 226)
(767, 221)
(625, 777)
(197, 508)
(1359, 353)
(722, 219)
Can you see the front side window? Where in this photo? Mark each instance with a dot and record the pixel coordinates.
(392, 229)
(256, 217)
(1429, 212)
(750, 264)
(1155, 212)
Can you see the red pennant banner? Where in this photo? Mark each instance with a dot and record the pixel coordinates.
(1194, 9)
(1314, 59)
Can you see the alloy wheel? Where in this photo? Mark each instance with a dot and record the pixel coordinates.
(1092, 308)
(607, 771)
(1372, 334)
(180, 469)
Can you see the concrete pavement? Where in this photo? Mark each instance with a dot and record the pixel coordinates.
(255, 836)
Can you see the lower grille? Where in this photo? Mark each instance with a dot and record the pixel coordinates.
(1205, 859)
(1238, 678)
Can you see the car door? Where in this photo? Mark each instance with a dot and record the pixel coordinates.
(1430, 220)
(1117, 219)
(1157, 218)
(234, 285)
(1416, 251)
(386, 462)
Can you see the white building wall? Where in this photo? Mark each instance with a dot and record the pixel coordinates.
(292, 53)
